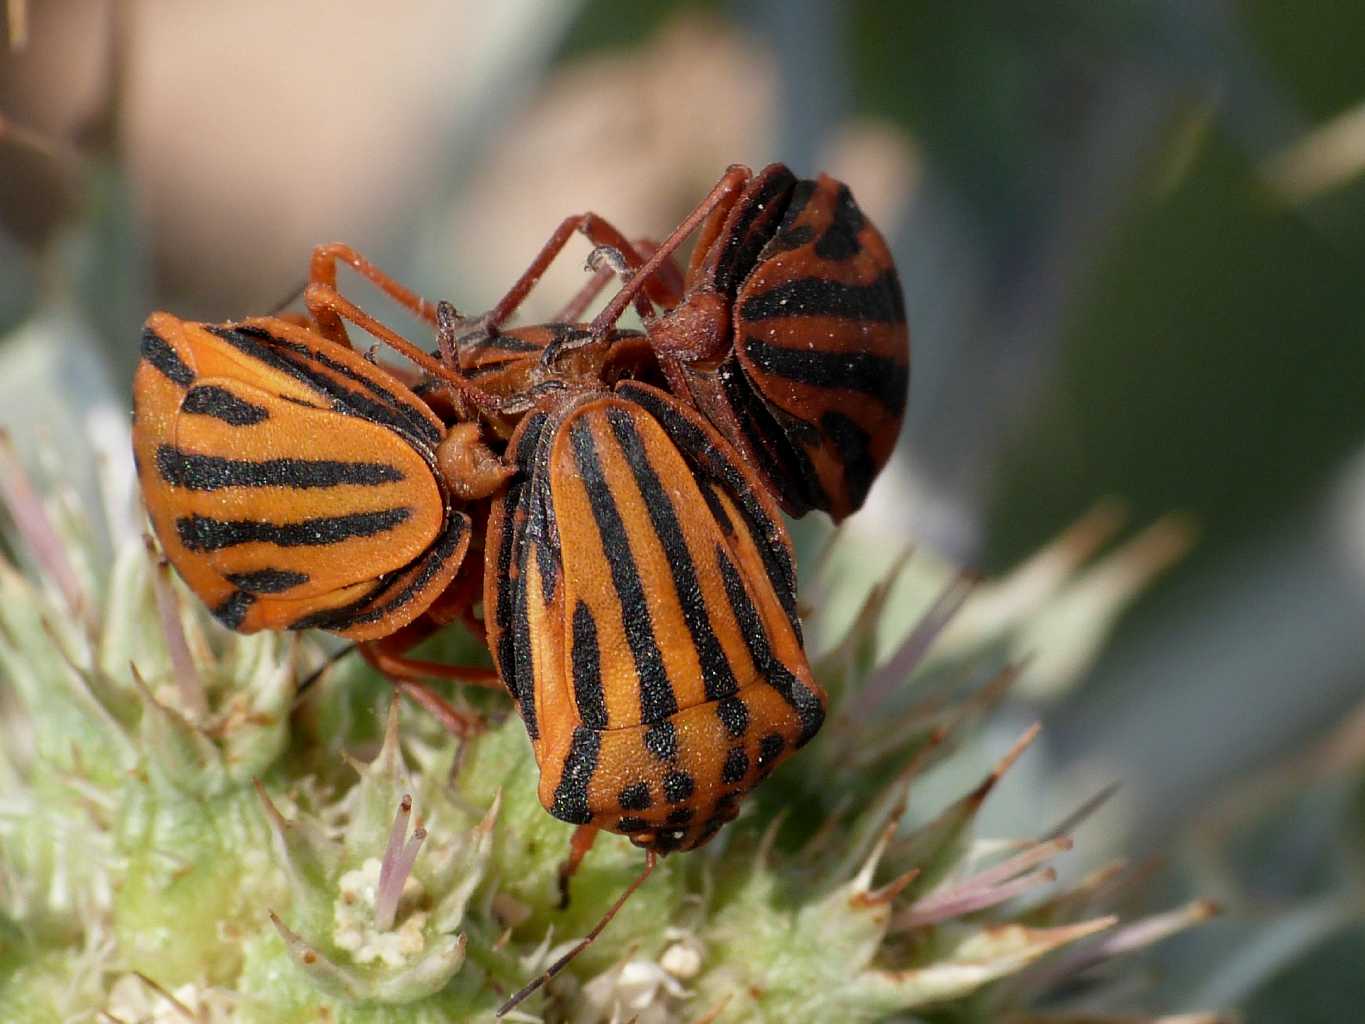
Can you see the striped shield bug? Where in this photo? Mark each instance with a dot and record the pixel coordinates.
(788, 332)
(292, 483)
(640, 604)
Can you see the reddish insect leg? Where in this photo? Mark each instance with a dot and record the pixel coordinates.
(456, 722)
(322, 270)
(583, 838)
(723, 194)
(666, 287)
(651, 859)
(388, 654)
(663, 289)
(399, 667)
(406, 674)
(324, 300)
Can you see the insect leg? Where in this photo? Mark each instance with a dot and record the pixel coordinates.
(322, 269)
(665, 288)
(722, 194)
(583, 838)
(405, 673)
(666, 285)
(388, 655)
(651, 859)
(396, 666)
(324, 300)
(457, 723)
(600, 232)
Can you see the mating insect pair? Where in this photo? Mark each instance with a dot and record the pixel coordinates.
(295, 484)
(638, 586)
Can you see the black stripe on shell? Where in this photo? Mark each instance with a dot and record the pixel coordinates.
(505, 596)
(786, 468)
(678, 786)
(657, 699)
(754, 221)
(222, 404)
(736, 766)
(196, 472)
(718, 513)
(380, 406)
(877, 377)
(661, 740)
(635, 797)
(854, 447)
(534, 530)
(233, 610)
(571, 795)
(267, 581)
(204, 533)
(769, 750)
(512, 501)
(587, 669)
(157, 351)
(878, 303)
(718, 679)
(540, 532)
(523, 662)
(840, 240)
(810, 711)
(384, 601)
(734, 715)
(765, 532)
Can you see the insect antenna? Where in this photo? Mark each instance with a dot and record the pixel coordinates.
(316, 674)
(291, 297)
(651, 859)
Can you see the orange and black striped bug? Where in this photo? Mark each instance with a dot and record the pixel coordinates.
(639, 586)
(295, 484)
(788, 331)
(286, 477)
(640, 603)
(639, 591)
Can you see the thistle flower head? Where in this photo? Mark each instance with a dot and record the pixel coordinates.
(186, 836)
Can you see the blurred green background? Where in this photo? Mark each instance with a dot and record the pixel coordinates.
(1130, 234)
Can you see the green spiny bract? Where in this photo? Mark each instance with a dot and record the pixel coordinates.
(184, 835)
